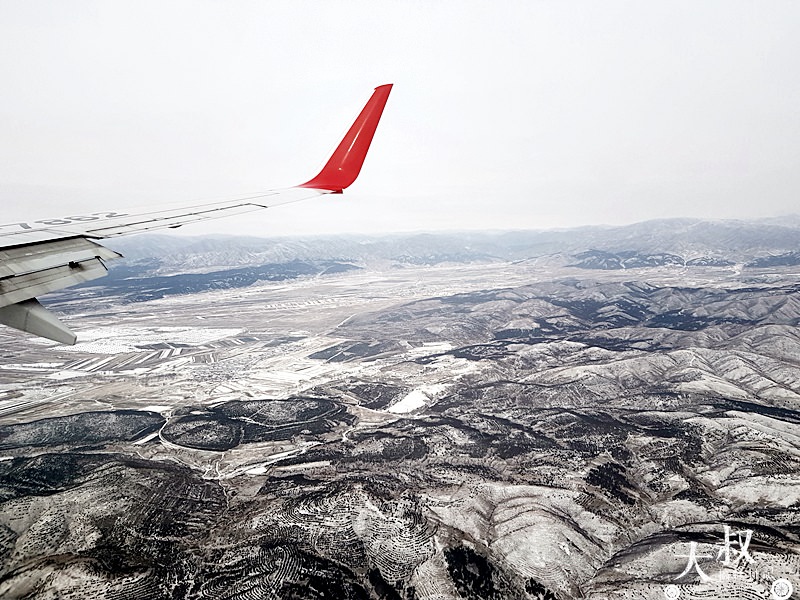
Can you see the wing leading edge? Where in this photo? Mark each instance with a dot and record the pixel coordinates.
(58, 253)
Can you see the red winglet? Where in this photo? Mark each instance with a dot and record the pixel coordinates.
(345, 163)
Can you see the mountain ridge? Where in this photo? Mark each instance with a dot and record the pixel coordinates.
(690, 241)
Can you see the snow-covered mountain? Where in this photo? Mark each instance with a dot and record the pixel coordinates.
(651, 243)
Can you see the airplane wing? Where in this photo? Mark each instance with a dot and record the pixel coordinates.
(47, 255)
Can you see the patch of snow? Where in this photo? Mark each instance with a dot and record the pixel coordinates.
(256, 471)
(66, 374)
(412, 401)
(159, 408)
(318, 464)
(146, 438)
(30, 366)
(763, 491)
(118, 340)
(709, 385)
(418, 398)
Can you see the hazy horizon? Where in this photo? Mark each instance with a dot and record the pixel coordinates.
(513, 115)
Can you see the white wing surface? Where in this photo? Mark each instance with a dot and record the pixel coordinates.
(50, 254)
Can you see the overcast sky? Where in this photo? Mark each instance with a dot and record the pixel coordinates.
(504, 114)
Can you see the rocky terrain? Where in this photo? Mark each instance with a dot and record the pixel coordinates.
(586, 428)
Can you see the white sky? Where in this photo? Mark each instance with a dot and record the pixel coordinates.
(504, 114)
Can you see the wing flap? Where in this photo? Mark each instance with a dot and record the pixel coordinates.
(23, 287)
(21, 260)
(34, 318)
(30, 271)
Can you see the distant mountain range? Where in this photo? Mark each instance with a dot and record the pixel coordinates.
(652, 243)
(159, 265)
